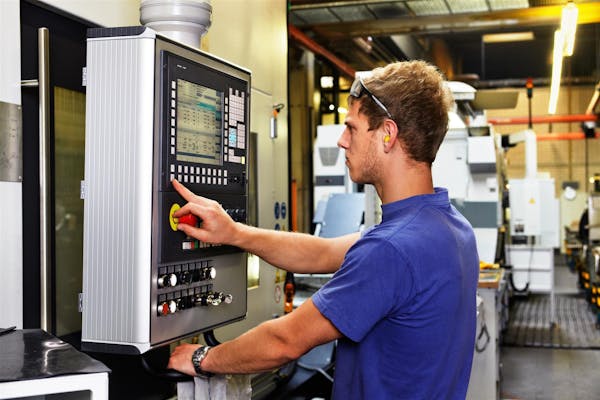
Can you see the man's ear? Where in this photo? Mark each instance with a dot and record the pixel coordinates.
(390, 134)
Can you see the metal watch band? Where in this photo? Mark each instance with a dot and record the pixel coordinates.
(197, 357)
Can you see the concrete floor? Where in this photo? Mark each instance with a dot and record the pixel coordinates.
(551, 374)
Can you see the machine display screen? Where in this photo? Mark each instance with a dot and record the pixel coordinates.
(199, 124)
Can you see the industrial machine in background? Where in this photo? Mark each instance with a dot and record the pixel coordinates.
(158, 110)
(589, 234)
(468, 164)
(534, 225)
(329, 168)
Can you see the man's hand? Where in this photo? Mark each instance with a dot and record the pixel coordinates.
(216, 226)
(181, 359)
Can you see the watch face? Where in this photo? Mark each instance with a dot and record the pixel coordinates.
(197, 357)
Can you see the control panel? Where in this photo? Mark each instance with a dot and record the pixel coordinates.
(157, 111)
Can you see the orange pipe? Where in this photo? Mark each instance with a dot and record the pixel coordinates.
(562, 136)
(297, 35)
(546, 119)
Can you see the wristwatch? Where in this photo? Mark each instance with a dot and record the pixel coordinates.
(197, 357)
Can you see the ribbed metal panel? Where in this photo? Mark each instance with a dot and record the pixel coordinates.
(118, 190)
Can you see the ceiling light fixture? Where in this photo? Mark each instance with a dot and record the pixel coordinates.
(568, 24)
(326, 82)
(507, 37)
(557, 60)
(564, 43)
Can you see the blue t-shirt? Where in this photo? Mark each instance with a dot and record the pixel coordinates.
(405, 301)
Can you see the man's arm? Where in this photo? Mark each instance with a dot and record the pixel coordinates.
(269, 345)
(294, 252)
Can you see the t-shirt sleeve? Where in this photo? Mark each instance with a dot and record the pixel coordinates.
(373, 282)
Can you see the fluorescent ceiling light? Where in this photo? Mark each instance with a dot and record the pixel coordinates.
(557, 59)
(568, 24)
(507, 37)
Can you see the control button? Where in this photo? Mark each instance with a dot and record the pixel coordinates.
(172, 220)
(163, 308)
(202, 299)
(225, 298)
(167, 280)
(172, 306)
(167, 307)
(213, 299)
(209, 273)
(188, 219)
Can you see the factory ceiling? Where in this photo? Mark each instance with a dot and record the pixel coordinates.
(369, 33)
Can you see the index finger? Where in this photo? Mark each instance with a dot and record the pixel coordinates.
(187, 194)
(183, 191)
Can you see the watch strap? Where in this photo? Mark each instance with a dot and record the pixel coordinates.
(197, 357)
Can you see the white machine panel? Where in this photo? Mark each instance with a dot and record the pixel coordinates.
(156, 111)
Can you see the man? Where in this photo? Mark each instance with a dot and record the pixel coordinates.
(402, 300)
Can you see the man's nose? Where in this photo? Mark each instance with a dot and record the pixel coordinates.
(342, 142)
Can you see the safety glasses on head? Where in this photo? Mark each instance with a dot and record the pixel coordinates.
(358, 88)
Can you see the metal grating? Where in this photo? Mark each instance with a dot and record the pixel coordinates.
(353, 13)
(496, 5)
(424, 8)
(575, 327)
(316, 15)
(467, 6)
(389, 10)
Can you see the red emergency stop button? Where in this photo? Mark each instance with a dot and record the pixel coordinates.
(188, 219)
